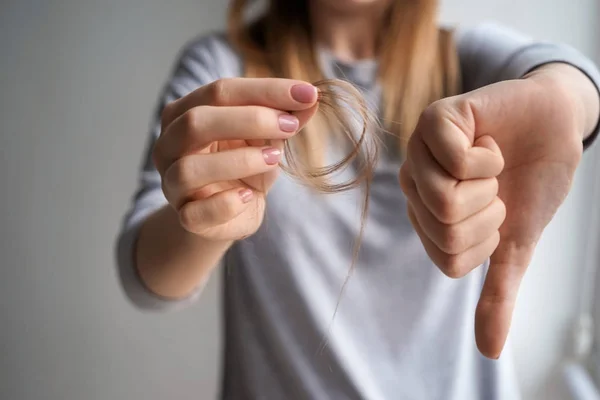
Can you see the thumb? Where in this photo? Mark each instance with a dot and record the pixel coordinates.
(497, 302)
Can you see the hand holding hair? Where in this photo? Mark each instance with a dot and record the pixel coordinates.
(218, 155)
(220, 149)
(222, 145)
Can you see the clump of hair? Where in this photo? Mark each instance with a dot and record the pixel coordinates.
(344, 113)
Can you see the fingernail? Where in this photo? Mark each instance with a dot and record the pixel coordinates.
(304, 93)
(288, 123)
(271, 155)
(246, 195)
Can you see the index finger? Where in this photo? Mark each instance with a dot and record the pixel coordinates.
(278, 93)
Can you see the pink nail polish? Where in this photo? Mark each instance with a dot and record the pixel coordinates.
(271, 155)
(246, 195)
(288, 123)
(304, 93)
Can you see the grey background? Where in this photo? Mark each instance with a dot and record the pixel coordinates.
(78, 80)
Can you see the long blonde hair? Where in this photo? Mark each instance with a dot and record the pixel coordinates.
(418, 61)
(418, 64)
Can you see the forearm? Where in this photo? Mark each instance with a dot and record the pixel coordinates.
(582, 92)
(172, 262)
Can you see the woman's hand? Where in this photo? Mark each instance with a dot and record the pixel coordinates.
(485, 173)
(219, 150)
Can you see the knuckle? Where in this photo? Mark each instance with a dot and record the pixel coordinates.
(272, 94)
(495, 241)
(458, 114)
(245, 161)
(190, 120)
(458, 163)
(499, 209)
(433, 114)
(228, 207)
(156, 154)
(495, 187)
(261, 121)
(182, 173)
(502, 208)
(189, 215)
(461, 111)
(453, 240)
(446, 206)
(435, 121)
(452, 267)
(404, 178)
(218, 92)
(167, 113)
(413, 142)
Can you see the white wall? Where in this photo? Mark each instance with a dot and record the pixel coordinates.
(79, 79)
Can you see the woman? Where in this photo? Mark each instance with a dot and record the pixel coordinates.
(483, 174)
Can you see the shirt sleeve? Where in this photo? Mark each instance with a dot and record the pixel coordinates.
(492, 53)
(198, 64)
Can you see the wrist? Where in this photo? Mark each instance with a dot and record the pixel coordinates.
(571, 90)
(170, 261)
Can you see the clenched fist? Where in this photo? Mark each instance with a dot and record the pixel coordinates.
(485, 173)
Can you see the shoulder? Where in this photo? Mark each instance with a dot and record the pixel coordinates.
(211, 54)
(486, 51)
(489, 33)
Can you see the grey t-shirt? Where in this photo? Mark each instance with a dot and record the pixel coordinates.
(403, 329)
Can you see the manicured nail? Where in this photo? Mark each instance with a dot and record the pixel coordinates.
(272, 155)
(288, 123)
(304, 93)
(246, 195)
